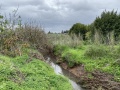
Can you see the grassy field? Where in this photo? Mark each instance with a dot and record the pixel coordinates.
(104, 58)
(28, 73)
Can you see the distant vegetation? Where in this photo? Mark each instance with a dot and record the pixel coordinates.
(79, 29)
(106, 27)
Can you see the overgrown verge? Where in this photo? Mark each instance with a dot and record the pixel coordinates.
(91, 58)
(14, 35)
(12, 42)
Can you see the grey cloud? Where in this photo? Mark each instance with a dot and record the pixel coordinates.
(57, 15)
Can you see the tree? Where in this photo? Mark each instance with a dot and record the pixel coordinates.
(66, 31)
(108, 21)
(49, 32)
(117, 28)
(77, 29)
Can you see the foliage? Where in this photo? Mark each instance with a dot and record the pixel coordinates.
(107, 22)
(79, 29)
(90, 32)
(105, 29)
(10, 22)
(35, 36)
(64, 40)
(58, 49)
(95, 57)
(13, 39)
(96, 52)
(25, 72)
(66, 31)
(18, 74)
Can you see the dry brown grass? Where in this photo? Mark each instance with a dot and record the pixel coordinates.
(12, 41)
(64, 39)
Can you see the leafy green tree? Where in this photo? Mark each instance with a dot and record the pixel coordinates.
(117, 28)
(108, 21)
(77, 29)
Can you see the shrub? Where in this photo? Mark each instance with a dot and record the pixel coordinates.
(96, 52)
(12, 40)
(58, 49)
(35, 36)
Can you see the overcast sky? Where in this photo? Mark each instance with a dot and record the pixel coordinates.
(58, 15)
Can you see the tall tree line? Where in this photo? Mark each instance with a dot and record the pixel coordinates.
(107, 22)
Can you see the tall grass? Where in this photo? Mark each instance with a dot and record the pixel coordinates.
(64, 40)
(96, 51)
(99, 38)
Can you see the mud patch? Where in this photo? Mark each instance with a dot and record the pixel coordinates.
(78, 71)
(100, 80)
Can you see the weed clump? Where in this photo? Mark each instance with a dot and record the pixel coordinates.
(59, 49)
(36, 37)
(96, 52)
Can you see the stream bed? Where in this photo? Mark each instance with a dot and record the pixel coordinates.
(58, 70)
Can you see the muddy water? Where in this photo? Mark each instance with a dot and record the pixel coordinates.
(59, 70)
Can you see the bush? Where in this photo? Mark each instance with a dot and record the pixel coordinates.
(58, 49)
(12, 40)
(35, 36)
(95, 52)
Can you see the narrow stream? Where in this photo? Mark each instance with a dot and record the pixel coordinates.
(59, 70)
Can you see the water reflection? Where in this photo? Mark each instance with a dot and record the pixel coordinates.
(58, 70)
